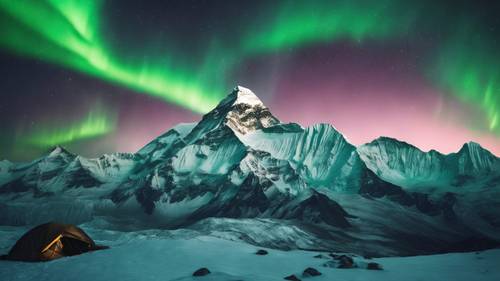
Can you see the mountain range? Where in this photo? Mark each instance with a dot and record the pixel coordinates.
(242, 174)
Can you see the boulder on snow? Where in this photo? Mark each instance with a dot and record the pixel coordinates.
(201, 272)
(345, 262)
(261, 252)
(374, 266)
(292, 278)
(310, 272)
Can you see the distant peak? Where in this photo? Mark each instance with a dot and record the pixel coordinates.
(246, 96)
(383, 139)
(242, 111)
(473, 158)
(471, 147)
(472, 144)
(59, 150)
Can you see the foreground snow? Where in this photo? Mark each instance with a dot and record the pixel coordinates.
(175, 255)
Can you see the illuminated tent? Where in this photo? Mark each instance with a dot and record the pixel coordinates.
(51, 241)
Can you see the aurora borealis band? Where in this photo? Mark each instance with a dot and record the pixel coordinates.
(96, 123)
(68, 33)
(107, 75)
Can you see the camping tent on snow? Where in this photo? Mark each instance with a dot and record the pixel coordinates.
(50, 241)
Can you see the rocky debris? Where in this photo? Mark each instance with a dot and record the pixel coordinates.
(320, 256)
(201, 272)
(340, 261)
(374, 266)
(311, 272)
(292, 278)
(345, 262)
(261, 252)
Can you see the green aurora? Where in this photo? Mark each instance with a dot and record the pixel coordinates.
(67, 32)
(98, 122)
(302, 23)
(70, 33)
(469, 68)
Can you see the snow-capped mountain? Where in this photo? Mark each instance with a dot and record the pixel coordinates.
(241, 162)
(211, 171)
(403, 164)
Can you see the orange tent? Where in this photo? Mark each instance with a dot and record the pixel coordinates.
(51, 241)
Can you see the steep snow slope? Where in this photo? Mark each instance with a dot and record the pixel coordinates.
(319, 154)
(109, 167)
(277, 172)
(474, 160)
(403, 164)
(161, 145)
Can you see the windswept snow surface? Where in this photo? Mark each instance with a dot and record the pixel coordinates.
(175, 255)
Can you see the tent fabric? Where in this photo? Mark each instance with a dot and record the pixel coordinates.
(51, 241)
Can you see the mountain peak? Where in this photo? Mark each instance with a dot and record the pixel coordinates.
(245, 96)
(390, 141)
(241, 111)
(58, 150)
(471, 145)
(475, 150)
(58, 154)
(238, 96)
(473, 158)
(247, 112)
(471, 148)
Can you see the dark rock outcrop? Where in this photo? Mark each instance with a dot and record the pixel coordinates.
(374, 266)
(261, 252)
(311, 272)
(201, 272)
(292, 278)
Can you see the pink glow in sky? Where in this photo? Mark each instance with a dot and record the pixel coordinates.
(362, 118)
(367, 97)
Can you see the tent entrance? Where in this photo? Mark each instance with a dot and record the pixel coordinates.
(72, 246)
(65, 246)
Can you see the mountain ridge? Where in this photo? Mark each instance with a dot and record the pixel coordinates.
(239, 161)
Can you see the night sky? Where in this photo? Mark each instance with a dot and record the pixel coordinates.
(105, 76)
